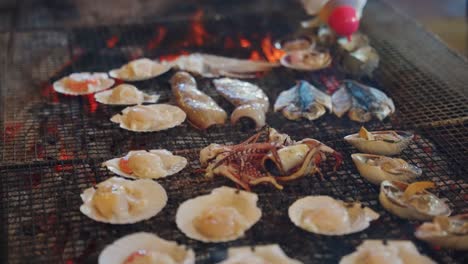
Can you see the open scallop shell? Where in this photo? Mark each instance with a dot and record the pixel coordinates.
(306, 60)
(377, 168)
(447, 232)
(140, 70)
(337, 217)
(125, 94)
(271, 254)
(244, 204)
(381, 146)
(142, 242)
(149, 118)
(103, 82)
(163, 164)
(425, 207)
(145, 198)
(392, 251)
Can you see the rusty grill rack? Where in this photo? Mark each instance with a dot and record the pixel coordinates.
(51, 146)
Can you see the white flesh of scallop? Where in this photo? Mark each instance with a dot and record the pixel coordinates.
(119, 251)
(271, 254)
(327, 216)
(103, 82)
(124, 201)
(447, 232)
(241, 206)
(125, 94)
(381, 147)
(148, 118)
(153, 164)
(139, 70)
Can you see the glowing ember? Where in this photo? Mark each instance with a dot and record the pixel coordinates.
(197, 33)
(271, 53)
(171, 57)
(111, 42)
(229, 43)
(157, 39)
(93, 105)
(245, 43)
(255, 56)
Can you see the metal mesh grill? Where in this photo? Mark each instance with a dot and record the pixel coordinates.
(53, 145)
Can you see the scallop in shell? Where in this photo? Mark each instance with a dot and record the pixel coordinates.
(271, 254)
(380, 142)
(83, 83)
(120, 201)
(153, 164)
(140, 70)
(377, 168)
(306, 60)
(412, 201)
(446, 231)
(148, 118)
(327, 216)
(386, 252)
(125, 94)
(223, 215)
(145, 247)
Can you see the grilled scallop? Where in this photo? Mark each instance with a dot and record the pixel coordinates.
(386, 143)
(145, 248)
(306, 60)
(223, 215)
(271, 254)
(83, 83)
(125, 94)
(139, 70)
(447, 232)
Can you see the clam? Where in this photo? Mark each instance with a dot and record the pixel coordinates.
(447, 232)
(377, 168)
(412, 201)
(271, 254)
(327, 216)
(223, 215)
(125, 94)
(306, 60)
(83, 83)
(145, 247)
(362, 61)
(139, 70)
(386, 143)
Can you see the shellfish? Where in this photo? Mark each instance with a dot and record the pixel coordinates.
(306, 60)
(125, 94)
(447, 232)
(386, 143)
(83, 83)
(271, 254)
(139, 70)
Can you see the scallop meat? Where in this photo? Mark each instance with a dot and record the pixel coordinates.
(386, 143)
(265, 254)
(125, 94)
(83, 83)
(446, 231)
(140, 70)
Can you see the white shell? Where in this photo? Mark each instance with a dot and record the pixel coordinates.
(245, 203)
(376, 174)
(128, 95)
(163, 116)
(350, 218)
(153, 196)
(392, 201)
(271, 254)
(436, 235)
(122, 248)
(170, 164)
(380, 147)
(104, 83)
(389, 252)
(323, 60)
(146, 69)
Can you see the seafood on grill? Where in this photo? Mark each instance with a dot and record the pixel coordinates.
(358, 57)
(306, 60)
(271, 254)
(152, 164)
(250, 101)
(412, 201)
(356, 41)
(120, 201)
(212, 66)
(223, 215)
(386, 252)
(149, 118)
(202, 111)
(303, 101)
(143, 247)
(125, 94)
(386, 143)
(83, 83)
(376, 168)
(327, 216)
(140, 70)
(277, 159)
(445, 231)
(362, 102)
(296, 43)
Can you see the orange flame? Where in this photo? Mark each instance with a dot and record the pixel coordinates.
(255, 56)
(111, 42)
(271, 53)
(171, 57)
(245, 43)
(156, 40)
(197, 33)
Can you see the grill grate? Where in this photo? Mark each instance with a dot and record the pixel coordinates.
(52, 145)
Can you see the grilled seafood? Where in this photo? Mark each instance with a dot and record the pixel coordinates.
(139, 70)
(83, 83)
(306, 60)
(303, 101)
(249, 99)
(377, 168)
(380, 142)
(271, 254)
(446, 231)
(203, 112)
(125, 94)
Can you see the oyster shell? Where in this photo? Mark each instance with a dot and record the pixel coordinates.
(271, 254)
(420, 205)
(83, 83)
(306, 60)
(380, 142)
(377, 168)
(125, 94)
(145, 246)
(386, 252)
(447, 232)
(327, 216)
(120, 201)
(153, 164)
(148, 118)
(223, 215)
(140, 70)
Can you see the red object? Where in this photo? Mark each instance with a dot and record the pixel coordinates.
(343, 20)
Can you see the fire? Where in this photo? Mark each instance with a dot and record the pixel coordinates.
(245, 43)
(158, 38)
(111, 42)
(171, 57)
(271, 53)
(93, 105)
(197, 34)
(255, 56)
